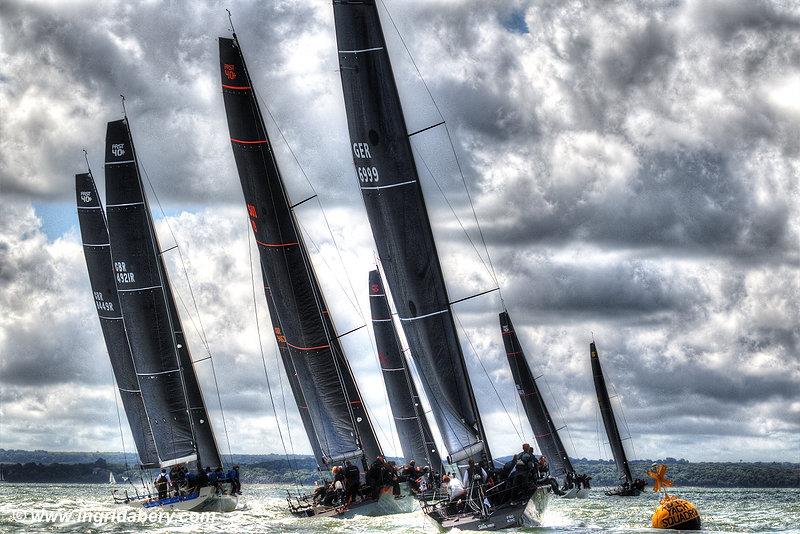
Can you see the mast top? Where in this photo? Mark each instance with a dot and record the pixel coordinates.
(86, 157)
(230, 21)
(124, 112)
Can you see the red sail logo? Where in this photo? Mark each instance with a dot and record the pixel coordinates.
(230, 71)
(375, 288)
(279, 336)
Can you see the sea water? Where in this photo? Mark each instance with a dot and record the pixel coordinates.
(89, 509)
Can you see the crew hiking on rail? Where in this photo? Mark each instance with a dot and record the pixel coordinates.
(181, 482)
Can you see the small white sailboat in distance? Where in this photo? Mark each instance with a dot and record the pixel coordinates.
(111, 480)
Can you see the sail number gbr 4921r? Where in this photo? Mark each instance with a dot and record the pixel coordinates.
(367, 173)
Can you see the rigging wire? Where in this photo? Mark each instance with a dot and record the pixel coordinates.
(319, 254)
(354, 301)
(490, 267)
(319, 203)
(624, 419)
(480, 361)
(201, 332)
(119, 421)
(453, 211)
(264, 360)
(256, 112)
(492, 271)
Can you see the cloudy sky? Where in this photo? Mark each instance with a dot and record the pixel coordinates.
(634, 169)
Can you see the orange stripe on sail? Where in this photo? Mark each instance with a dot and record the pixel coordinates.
(276, 244)
(308, 348)
(256, 142)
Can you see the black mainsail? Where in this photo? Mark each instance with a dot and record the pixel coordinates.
(400, 226)
(413, 430)
(97, 252)
(181, 429)
(609, 421)
(330, 403)
(544, 430)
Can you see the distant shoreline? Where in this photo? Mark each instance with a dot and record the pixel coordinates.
(93, 468)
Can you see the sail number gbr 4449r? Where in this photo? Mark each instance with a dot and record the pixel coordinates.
(367, 173)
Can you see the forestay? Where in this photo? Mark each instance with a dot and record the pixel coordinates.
(330, 403)
(395, 206)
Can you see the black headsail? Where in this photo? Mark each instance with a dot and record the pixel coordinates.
(609, 421)
(330, 403)
(544, 429)
(160, 354)
(97, 251)
(413, 430)
(400, 226)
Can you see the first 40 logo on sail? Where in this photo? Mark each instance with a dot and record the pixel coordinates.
(118, 149)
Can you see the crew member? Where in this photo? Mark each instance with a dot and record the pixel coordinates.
(162, 484)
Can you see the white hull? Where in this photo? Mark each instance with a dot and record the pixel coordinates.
(206, 500)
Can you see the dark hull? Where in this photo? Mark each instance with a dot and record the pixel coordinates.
(527, 512)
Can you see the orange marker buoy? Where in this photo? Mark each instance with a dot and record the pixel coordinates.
(672, 512)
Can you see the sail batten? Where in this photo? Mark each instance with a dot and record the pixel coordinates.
(544, 429)
(609, 420)
(395, 205)
(320, 377)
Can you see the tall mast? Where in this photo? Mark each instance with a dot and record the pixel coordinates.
(609, 421)
(331, 406)
(395, 206)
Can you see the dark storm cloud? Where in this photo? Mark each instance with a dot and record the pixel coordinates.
(608, 290)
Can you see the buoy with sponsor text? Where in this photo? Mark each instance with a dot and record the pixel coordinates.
(672, 512)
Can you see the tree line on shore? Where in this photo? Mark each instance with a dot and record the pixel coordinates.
(264, 469)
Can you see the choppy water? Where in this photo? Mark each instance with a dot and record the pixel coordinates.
(722, 510)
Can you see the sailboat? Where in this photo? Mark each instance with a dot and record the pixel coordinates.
(629, 487)
(544, 430)
(413, 430)
(395, 206)
(151, 361)
(2, 476)
(322, 382)
(112, 481)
